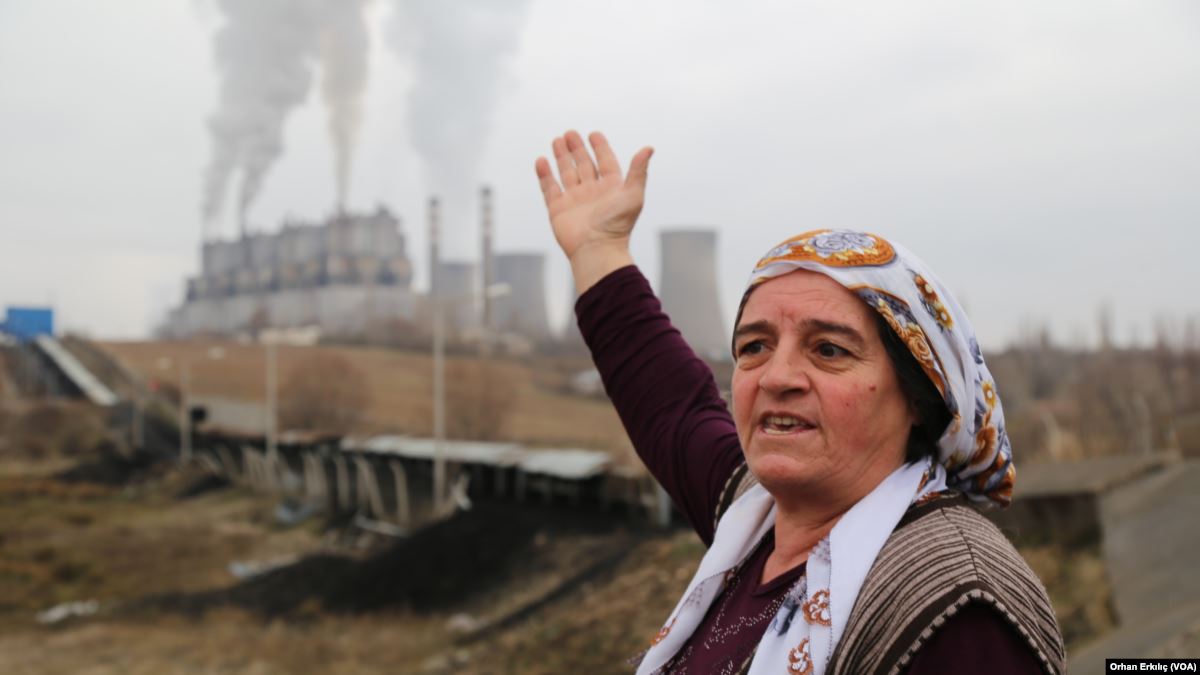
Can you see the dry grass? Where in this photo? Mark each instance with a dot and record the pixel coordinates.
(76, 541)
(52, 428)
(228, 641)
(1077, 582)
(120, 546)
(64, 542)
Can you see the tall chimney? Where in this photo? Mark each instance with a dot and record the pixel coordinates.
(485, 256)
(434, 256)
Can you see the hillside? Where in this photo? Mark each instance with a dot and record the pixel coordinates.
(398, 386)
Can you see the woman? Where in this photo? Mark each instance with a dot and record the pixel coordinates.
(834, 499)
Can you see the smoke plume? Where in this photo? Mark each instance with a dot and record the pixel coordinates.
(460, 52)
(265, 54)
(345, 45)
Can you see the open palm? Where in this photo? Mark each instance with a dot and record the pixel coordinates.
(594, 205)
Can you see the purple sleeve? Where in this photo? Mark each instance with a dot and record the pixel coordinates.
(664, 394)
(977, 640)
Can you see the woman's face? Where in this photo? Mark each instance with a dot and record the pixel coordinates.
(817, 404)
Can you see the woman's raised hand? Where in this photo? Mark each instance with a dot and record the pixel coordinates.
(594, 208)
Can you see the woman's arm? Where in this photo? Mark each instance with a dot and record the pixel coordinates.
(665, 395)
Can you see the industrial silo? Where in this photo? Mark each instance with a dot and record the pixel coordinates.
(460, 295)
(689, 289)
(522, 310)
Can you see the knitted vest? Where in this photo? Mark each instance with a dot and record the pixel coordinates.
(942, 556)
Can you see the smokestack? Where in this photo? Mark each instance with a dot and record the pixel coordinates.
(523, 309)
(434, 255)
(485, 256)
(689, 289)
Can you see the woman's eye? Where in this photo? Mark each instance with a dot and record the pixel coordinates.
(750, 348)
(829, 350)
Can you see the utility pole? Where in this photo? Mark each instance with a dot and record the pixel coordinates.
(185, 413)
(272, 428)
(439, 358)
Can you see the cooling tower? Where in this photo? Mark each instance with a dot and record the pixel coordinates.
(523, 310)
(459, 293)
(689, 289)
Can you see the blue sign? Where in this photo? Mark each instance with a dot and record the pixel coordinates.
(26, 323)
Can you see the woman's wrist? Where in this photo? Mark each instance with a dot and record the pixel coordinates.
(592, 262)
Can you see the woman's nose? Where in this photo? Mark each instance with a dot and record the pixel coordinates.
(785, 372)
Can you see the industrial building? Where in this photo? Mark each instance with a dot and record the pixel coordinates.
(350, 274)
(342, 276)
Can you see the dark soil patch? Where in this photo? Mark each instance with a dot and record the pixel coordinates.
(203, 485)
(438, 567)
(113, 469)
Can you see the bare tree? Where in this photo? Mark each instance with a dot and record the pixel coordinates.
(324, 393)
(479, 400)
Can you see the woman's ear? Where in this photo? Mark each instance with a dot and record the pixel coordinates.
(914, 414)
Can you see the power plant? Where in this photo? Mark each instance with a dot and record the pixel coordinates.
(340, 275)
(351, 273)
(688, 289)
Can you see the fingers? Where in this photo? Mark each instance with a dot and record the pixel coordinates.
(638, 168)
(575, 165)
(604, 155)
(583, 161)
(566, 165)
(550, 188)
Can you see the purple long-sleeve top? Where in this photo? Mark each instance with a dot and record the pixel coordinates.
(672, 410)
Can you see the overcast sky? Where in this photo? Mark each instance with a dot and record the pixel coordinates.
(1044, 158)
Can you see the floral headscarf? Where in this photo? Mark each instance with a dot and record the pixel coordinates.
(974, 449)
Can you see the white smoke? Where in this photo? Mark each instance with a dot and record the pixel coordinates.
(265, 54)
(460, 52)
(345, 46)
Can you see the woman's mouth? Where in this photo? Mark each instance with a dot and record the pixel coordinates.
(780, 425)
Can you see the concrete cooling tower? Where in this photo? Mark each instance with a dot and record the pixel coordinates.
(523, 310)
(689, 289)
(456, 285)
